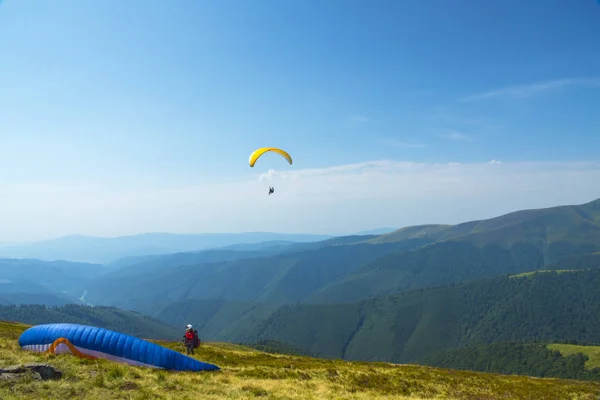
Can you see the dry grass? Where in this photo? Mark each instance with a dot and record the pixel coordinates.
(248, 374)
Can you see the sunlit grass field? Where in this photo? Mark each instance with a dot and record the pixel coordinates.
(593, 352)
(248, 373)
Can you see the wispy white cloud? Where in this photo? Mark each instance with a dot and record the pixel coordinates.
(344, 198)
(528, 90)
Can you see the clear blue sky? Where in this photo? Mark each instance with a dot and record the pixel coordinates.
(167, 93)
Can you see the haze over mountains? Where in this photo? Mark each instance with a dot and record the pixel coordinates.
(356, 268)
(79, 248)
(401, 296)
(43, 282)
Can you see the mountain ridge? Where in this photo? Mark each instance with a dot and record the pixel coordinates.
(92, 249)
(357, 267)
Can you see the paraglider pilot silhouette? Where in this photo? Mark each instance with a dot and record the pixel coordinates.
(257, 153)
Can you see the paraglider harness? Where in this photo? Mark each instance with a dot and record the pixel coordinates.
(271, 190)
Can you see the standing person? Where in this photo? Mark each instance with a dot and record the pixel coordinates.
(190, 339)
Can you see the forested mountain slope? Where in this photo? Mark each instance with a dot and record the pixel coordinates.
(355, 268)
(409, 326)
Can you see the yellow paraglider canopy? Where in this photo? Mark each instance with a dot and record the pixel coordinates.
(257, 153)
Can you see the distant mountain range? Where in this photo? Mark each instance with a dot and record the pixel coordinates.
(55, 282)
(354, 268)
(77, 248)
(398, 296)
(278, 292)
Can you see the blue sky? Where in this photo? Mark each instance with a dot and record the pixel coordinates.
(101, 101)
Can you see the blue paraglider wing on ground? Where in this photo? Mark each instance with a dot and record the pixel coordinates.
(93, 342)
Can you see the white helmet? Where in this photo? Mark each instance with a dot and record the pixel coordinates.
(189, 326)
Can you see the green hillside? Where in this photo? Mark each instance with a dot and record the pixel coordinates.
(229, 321)
(562, 222)
(131, 266)
(543, 271)
(373, 301)
(104, 317)
(591, 352)
(532, 359)
(247, 373)
(576, 263)
(407, 327)
(432, 232)
(274, 347)
(514, 243)
(290, 276)
(356, 268)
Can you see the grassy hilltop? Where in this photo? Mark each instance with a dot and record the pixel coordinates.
(248, 373)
